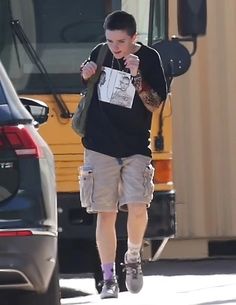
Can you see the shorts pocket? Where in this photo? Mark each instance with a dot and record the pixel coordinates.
(148, 182)
(86, 186)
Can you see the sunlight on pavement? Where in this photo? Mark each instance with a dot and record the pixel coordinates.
(164, 290)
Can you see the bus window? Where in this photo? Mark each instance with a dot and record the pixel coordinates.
(61, 32)
(158, 21)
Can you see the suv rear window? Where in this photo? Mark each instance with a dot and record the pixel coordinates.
(9, 177)
(3, 99)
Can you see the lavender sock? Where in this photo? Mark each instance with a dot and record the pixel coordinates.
(108, 271)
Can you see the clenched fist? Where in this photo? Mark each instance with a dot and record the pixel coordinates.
(88, 70)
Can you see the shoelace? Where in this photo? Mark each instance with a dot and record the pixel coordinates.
(134, 268)
(108, 283)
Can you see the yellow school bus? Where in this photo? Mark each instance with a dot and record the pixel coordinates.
(42, 45)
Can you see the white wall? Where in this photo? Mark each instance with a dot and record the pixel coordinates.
(140, 10)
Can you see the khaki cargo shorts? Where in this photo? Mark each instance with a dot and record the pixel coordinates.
(108, 183)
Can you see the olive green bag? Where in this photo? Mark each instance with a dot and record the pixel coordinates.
(80, 115)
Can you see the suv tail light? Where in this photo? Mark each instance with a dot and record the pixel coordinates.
(15, 233)
(19, 139)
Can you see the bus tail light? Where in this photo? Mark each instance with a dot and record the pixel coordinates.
(163, 171)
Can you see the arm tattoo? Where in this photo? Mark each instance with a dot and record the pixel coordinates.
(149, 97)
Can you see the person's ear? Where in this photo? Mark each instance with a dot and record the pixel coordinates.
(134, 38)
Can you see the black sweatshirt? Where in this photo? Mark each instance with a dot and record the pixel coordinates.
(119, 131)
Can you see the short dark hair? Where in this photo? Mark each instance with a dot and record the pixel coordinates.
(120, 20)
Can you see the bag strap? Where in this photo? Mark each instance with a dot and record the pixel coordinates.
(91, 82)
(100, 59)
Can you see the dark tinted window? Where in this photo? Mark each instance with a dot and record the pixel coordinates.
(27, 202)
(61, 31)
(158, 26)
(3, 99)
(8, 179)
(9, 176)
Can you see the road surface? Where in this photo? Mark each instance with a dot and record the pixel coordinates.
(201, 282)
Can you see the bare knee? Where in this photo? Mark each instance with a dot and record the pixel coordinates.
(106, 218)
(137, 210)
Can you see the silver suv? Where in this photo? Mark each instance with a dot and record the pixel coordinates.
(28, 204)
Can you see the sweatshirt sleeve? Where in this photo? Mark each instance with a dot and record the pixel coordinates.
(153, 73)
(92, 57)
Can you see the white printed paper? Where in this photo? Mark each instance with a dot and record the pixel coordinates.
(115, 87)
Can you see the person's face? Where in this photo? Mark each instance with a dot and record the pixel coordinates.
(124, 83)
(102, 78)
(120, 43)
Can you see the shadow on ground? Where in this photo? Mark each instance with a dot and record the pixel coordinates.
(222, 302)
(72, 293)
(190, 267)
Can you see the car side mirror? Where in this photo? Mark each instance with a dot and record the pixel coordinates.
(38, 109)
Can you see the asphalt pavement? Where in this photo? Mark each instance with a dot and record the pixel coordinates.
(166, 282)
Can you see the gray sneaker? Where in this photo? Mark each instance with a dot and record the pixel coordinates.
(110, 289)
(134, 275)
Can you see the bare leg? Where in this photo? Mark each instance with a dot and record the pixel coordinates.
(137, 222)
(106, 236)
(106, 243)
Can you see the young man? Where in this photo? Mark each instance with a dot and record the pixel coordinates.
(117, 172)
